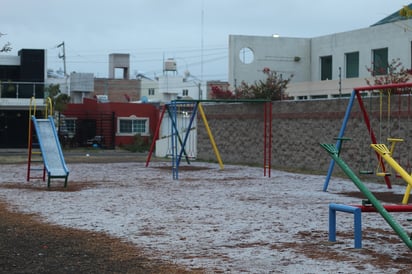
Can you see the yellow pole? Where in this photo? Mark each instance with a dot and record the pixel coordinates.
(406, 195)
(209, 132)
(386, 154)
(393, 142)
(49, 108)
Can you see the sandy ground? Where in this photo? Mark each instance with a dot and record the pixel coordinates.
(227, 221)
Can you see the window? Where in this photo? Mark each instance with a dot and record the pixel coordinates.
(70, 125)
(352, 64)
(326, 68)
(151, 91)
(325, 96)
(380, 61)
(185, 92)
(132, 125)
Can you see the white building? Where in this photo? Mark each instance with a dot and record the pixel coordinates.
(326, 66)
(171, 86)
(76, 85)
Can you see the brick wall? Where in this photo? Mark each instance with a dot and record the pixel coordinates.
(116, 89)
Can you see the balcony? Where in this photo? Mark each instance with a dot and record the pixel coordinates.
(17, 95)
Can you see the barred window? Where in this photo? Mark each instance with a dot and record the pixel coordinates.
(133, 125)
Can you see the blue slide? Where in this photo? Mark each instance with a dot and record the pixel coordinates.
(50, 149)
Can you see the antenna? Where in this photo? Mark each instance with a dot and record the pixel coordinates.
(201, 49)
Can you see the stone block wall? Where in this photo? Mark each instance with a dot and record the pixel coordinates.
(299, 126)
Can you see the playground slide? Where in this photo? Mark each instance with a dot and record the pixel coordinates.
(50, 148)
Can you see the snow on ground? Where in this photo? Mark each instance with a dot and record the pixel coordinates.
(233, 220)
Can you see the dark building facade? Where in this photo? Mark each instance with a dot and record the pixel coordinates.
(21, 78)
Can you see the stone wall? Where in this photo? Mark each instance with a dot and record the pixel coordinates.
(299, 126)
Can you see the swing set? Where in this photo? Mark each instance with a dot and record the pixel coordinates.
(382, 153)
(179, 139)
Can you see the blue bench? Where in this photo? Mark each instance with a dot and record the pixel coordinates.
(357, 213)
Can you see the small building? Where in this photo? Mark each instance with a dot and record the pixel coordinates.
(107, 124)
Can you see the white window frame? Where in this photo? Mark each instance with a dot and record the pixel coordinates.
(133, 118)
(71, 130)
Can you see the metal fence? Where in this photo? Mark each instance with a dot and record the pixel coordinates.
(21, 89)
(87, 130)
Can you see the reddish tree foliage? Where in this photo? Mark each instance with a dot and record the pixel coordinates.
(272, 88)
(219, 93)
(394, 73)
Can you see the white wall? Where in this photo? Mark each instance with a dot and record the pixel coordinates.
(170, 87)
(164, 144)
(278, 54)
(392, 36)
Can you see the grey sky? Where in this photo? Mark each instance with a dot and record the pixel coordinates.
(151, 30)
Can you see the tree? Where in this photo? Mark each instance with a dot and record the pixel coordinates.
(60, 100)
(394, 73)
(273, 88)
(220, 93)
(6, 47)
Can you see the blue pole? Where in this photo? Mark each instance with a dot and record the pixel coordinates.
(339, 141)
(173, 135)
(357, 213)
(192, 117)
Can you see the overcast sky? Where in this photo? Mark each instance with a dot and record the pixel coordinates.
(151, 30)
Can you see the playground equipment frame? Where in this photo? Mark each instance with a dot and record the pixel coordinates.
(197, 107)
(403, 235)
(357, 93)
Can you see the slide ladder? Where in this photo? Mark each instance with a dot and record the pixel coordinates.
(35, 166)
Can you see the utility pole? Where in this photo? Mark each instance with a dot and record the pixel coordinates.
(63, 56)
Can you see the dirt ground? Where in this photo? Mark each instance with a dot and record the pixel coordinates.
(28, 245)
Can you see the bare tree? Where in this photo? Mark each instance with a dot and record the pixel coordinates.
(6, 47)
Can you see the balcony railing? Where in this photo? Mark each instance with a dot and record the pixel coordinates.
(18, 90)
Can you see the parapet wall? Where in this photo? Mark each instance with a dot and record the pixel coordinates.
(299, 126)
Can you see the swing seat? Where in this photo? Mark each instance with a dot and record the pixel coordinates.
(395, 140)
(366, 172)
(383, 174)
(342, 138)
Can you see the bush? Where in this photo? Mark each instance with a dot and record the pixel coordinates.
(140, 144)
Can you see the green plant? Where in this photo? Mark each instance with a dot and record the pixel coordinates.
(140, 144)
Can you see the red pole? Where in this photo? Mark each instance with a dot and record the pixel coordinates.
(156, 135)
(389, 208)
(270, 137)
(264, 139)
(372, 135)
(29, 150)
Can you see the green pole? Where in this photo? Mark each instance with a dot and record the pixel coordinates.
(333, 152)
